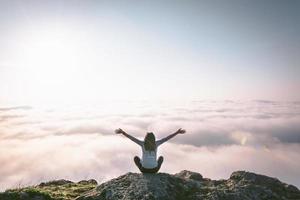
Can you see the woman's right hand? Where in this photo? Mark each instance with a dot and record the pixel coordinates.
(119, 131)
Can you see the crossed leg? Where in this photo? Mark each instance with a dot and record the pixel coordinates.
(137, 161)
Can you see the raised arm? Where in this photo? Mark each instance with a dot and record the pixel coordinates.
(120, 131)
(161, 141)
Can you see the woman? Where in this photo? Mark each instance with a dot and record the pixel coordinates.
(149, 164)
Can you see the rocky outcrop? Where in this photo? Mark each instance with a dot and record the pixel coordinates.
(55, 182)
(190, 185)
(185, 185)
(189, 175)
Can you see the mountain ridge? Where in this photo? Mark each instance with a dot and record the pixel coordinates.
(183, 185)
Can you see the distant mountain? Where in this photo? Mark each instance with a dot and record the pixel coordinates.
(185, 185)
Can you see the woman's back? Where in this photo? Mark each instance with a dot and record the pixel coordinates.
(149, 157)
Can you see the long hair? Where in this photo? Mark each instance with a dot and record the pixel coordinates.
(149, 142)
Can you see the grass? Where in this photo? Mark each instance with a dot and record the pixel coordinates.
(50, 191)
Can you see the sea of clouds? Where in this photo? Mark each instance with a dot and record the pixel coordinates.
(40, 144)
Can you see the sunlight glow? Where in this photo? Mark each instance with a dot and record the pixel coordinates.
(60, 66)
(53, 63)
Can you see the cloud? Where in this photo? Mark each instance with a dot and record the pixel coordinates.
(15, 108)
(4, 118)
(221, 137)
(280, 160)
(73, 157)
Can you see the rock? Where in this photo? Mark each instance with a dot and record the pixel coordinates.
(253, 178)
(191, 185)
(139, 186)
(91, 181)
(55, 182)
(185, 185)
(189, 175)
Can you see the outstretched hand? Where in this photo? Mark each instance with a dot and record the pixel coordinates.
(119, 131)
(180, 131)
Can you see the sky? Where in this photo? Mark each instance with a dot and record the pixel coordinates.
(73, 71)
(61, 51)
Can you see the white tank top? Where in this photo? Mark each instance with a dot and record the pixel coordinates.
(149, 158)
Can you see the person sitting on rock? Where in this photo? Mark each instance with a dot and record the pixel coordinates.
(149, 164)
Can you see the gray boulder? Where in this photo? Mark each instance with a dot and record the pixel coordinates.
(191, 185)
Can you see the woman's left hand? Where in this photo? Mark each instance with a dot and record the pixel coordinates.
(180, 131)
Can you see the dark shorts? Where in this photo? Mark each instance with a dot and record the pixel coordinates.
(137, 161)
